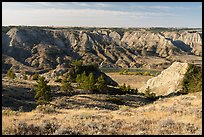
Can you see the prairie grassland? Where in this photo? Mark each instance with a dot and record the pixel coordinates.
(175, 115)
(92, 114)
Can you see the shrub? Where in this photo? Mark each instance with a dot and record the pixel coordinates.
(138, 73)
(66, 131)
(133, 91)
(146, 73)
(10, 74)
(157, 73)
(116, 100)
(43, 91)
(150, 95)
(123, 89)
(46, 109)
(192, 81)
(124, 108)
(127, 89)
(22, 128)
(121, 73)
(151, 74)
(124, 72)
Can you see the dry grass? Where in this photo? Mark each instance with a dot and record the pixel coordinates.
(166, 116)
(91, 114)
(133, 80)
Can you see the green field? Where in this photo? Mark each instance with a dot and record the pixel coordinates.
(111, 70)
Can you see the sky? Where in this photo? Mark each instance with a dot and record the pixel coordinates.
(103, 14)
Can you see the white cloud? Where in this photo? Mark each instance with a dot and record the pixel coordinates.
(84, 17)
(160, 7)
(83, 13)
(103, 5)
(80, 4)
(151, 7)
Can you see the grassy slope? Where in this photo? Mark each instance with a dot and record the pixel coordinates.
(176, 115)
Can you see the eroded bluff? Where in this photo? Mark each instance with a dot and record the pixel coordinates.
(46, 47)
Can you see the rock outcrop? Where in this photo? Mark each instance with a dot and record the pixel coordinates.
(168, 81)
(187, 41)
(47, 47)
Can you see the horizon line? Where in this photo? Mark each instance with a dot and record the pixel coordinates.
(64, 26)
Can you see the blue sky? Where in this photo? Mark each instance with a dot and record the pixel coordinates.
(103, 14)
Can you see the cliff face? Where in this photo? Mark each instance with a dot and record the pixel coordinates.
(48, 47)
(187, 41)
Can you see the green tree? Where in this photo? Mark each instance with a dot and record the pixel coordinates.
(192, 81)
(81, 78)
(127, 89)
(10, 74)
(70, 77)
(43, 91)
(77, 64)
(78, 79)
(66, 85)
(88, 82)
(101, 85)
(91, 78)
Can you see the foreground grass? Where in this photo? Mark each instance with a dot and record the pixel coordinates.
(175, 115)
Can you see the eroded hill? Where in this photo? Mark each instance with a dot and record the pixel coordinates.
(47, 47)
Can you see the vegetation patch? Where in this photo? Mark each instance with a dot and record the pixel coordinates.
(43, 91)
(22, 128)
(46, 109)
(144, 73)
(124, 108)
(66, 86)
(89, 82)
(127, 90)
(9, 112)
(10, 74)
(150, 95)
(192, 81)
